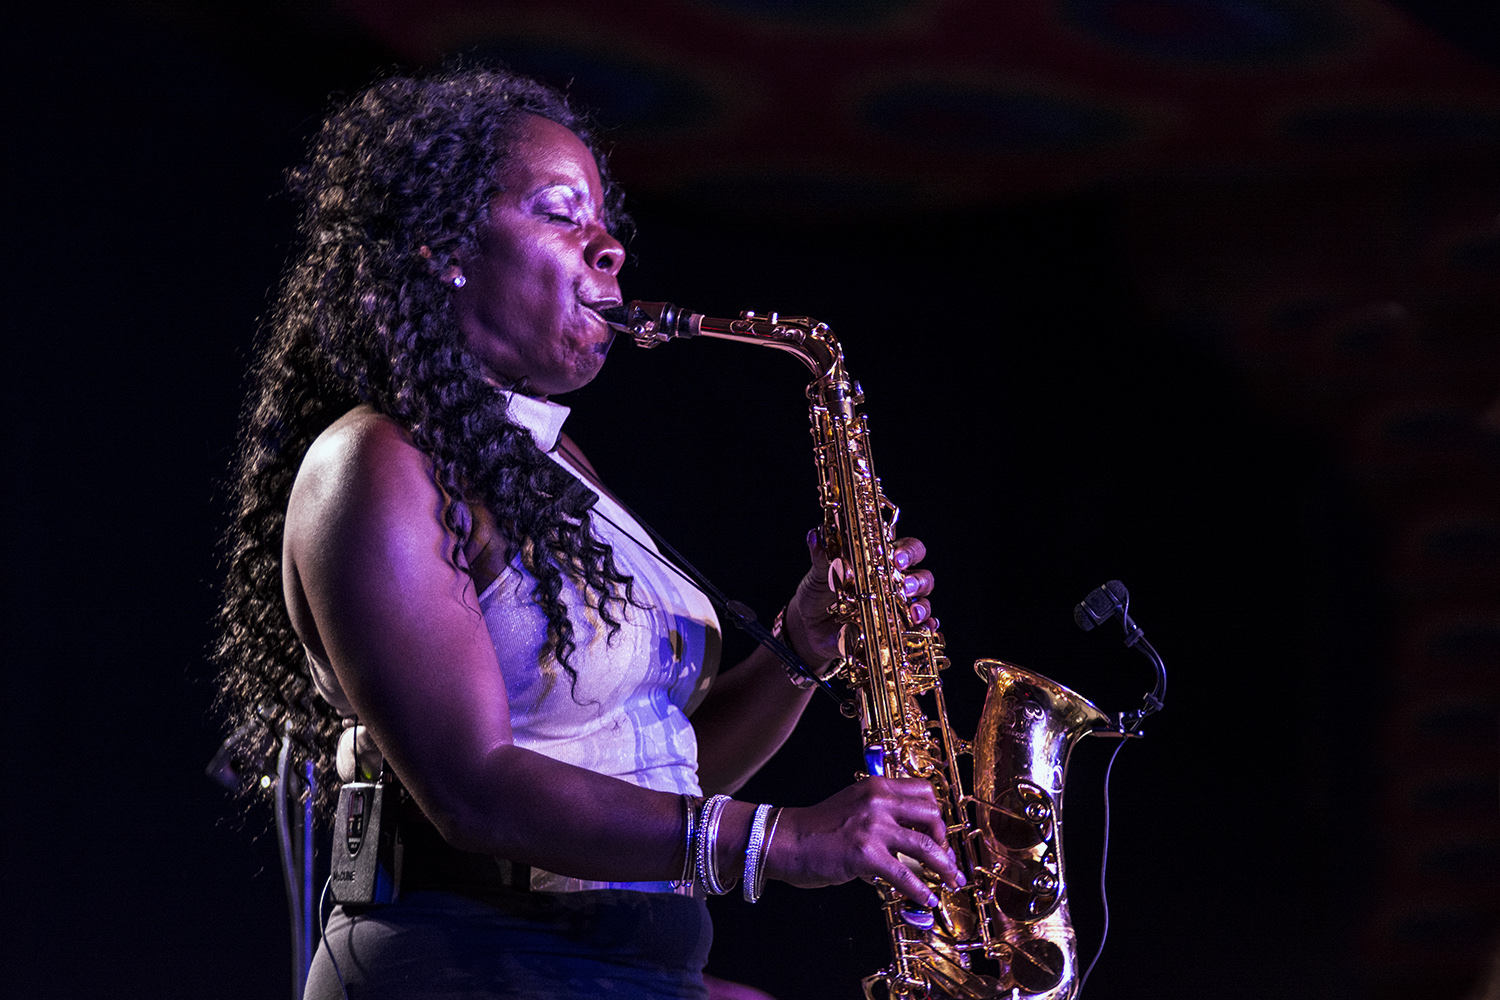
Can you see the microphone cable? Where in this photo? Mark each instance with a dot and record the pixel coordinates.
(323, 937)
(1103, 871)
(1103, 603)
(289, 873)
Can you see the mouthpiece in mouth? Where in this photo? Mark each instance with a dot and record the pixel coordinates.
(651, 323)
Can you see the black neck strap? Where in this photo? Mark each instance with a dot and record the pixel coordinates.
(740, 614)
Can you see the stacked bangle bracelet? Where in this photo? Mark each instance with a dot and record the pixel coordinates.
(690, 806)
(755, 850)
(708, 843)
(701, 863)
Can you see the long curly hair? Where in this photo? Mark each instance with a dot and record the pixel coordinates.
(398, 182)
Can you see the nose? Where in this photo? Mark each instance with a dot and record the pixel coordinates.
(605, 253)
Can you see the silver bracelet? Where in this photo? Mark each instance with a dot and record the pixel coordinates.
(689, 857)
(708, 843)
(755, 853)
(765, 851)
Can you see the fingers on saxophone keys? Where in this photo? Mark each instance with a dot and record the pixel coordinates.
(923, 832)
(926, 822)
(888, 863)
(938, 859)
(915, 805)
(918, 583)
(916, 865)
(909, 552)
(815, 544)
(912, 887)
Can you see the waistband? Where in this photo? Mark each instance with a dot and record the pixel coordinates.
(430, 862)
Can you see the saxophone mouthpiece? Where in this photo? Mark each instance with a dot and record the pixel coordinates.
(652, 323)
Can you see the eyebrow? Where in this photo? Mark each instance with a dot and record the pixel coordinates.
(573, 190)
(578, 197)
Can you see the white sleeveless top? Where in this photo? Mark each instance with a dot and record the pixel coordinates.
(626, 716)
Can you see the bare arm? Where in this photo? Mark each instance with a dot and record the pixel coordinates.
(370, 564)
(371, 585)
(746, 717)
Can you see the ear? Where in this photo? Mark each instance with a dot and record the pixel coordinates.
(451, 274)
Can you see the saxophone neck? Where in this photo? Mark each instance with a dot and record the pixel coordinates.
(652, 323)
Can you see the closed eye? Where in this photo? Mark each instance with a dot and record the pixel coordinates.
(560, 204)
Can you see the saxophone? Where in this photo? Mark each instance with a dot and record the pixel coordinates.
(1007, 933)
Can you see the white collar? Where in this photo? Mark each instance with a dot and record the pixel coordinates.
(543, 418)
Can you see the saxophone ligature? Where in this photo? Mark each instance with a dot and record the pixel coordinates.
(1007, 933)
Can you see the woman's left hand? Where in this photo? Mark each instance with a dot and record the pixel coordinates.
(809, 628)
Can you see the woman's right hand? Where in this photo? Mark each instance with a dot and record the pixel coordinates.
(858, 832)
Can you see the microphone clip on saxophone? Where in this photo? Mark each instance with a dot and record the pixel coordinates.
(1104, 603)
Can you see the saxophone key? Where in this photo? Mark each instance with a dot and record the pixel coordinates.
(916, 916)
(1036, 964)
(959, 916)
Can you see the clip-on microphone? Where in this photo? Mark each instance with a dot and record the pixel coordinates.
(1104, 603)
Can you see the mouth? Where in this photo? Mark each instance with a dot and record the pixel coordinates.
(602, 309)
(605, 309)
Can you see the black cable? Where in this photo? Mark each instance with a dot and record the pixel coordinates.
(1103, 870)
(323, 936)
(288, 861)
(1099, 606)
(309, 841)
(738, 613)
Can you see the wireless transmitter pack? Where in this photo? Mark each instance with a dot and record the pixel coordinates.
(367, 846)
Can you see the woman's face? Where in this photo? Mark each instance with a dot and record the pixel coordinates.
(545, 265)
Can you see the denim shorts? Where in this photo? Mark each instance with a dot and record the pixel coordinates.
(440, 945)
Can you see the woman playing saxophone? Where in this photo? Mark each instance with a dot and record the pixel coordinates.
(428, 581)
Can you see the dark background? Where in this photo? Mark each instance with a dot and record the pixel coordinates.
(1234, 345)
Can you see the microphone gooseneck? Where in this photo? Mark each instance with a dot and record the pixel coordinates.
(1102, 604)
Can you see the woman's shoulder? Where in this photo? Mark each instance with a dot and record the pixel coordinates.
(363, 491)
(363, 463)
(363, 434)
(362, 443)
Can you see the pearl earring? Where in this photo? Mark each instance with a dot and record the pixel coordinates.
(459, 281)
